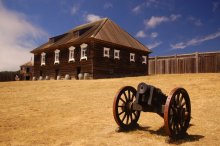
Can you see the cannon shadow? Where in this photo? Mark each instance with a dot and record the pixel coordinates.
(161, 132)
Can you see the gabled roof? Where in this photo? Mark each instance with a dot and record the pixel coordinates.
(104, 30)
(29, 63)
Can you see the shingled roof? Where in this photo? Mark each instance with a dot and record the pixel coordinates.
(104, 30)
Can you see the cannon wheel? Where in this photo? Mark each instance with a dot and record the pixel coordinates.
(124, 116)
(177, 112)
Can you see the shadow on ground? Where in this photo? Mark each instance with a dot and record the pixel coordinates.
(177, 140)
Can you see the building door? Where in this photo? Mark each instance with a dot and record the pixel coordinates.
(57, 72)
(28, 78)
(27, 70)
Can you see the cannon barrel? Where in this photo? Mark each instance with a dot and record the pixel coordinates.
(150, 96)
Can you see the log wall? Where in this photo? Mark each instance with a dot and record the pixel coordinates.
(104, 67)
(64, 67)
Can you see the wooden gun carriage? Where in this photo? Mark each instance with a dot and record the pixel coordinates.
(174, 108)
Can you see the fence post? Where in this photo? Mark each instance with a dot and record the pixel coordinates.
(197, 62)
(176, 66)
(155, 61)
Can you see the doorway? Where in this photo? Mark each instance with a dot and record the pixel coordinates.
(57, 72)
(78, 71)
(28, 78)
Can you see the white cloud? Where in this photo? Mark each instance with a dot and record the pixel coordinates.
(149, 3)
(92, 18)
(195, 41)
(145, 4)
(174, 17)
(75, 8)
(215, 6)
(17, 38)
(141, 34)
(137, 9)
(155, 21)
(195, 21)
(154, 34)
(108, 5)
(154, 45)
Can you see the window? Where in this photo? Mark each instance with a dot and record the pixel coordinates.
(116, 54)
(144, 59)
(57, 54)
(106, 52)
(71, 53)
(83, 51)
(132, 56)
(43, 59)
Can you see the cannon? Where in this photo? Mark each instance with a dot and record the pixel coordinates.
(174, 108)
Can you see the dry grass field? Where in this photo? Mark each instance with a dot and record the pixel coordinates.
(80, 112)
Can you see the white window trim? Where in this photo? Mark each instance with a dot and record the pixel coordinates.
(117, 57)
(132, 57)
(144, 59)
(104, 50)
(83, 48)
(57, 52)
(43, 60)
(71, 50)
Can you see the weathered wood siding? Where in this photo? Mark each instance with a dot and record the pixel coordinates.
(104, 67)
(8, 76)
(186, 63)
(64, 67)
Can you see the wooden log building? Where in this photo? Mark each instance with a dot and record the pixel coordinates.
(26, 71)
(95, 50)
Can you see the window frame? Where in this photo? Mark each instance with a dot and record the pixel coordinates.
(71, 54)
(43, 59)
(83, 51)
(132, 57)
(57, 56)
(108, 52)
(117, 52)
(144, 61)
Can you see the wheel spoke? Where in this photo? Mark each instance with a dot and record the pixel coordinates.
(127, 119)
(134, 114)
(177, 99)
(177, 127)
(184, 103)
(129, 95)
(122, 100)
(121, 112)
(123, 117)
(131, 117)
(174, 102)
(125, 96)
(173, 125)
(171, 120)
(181, 99)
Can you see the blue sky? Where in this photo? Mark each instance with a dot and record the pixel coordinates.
(167, 27)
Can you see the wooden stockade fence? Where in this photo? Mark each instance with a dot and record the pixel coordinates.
(8, 76)
(208, 62)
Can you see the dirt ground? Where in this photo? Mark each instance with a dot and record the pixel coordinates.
(80, 112)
